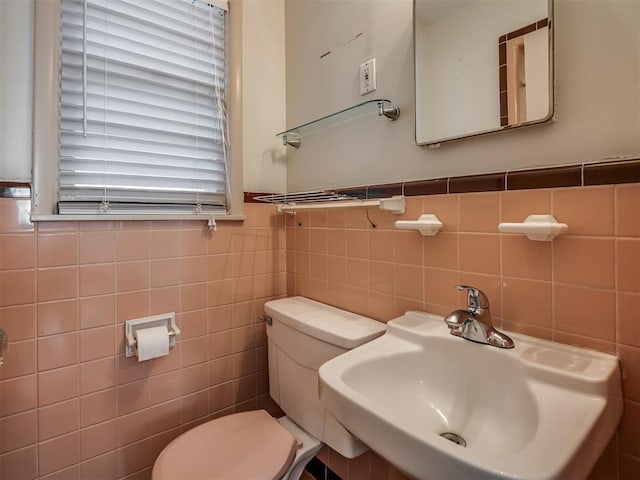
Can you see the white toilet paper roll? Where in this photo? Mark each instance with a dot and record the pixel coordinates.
(152, 342)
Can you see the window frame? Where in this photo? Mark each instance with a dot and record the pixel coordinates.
(45, 122)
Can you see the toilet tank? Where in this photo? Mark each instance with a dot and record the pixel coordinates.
(303, 335)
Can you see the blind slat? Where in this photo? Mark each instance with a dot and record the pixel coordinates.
(179, 40)
(159, 65)
(72, 82)
(72, 66)
(112, 129)
(115, 107)
(142, 122)
(152, 14)
(206, 146)
(136, 120)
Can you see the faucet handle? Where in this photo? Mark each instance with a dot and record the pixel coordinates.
(475, 297)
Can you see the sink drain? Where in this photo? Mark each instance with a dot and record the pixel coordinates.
(455, 438)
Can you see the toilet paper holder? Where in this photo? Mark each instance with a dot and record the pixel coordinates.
(130, 327)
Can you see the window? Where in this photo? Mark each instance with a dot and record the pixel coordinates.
(141, 113)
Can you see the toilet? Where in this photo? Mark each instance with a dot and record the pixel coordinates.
(302, 334)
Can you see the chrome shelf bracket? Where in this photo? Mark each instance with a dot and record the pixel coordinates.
(392, 112)
(291, 139)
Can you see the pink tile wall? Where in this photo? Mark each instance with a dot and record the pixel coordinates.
(71, 405)
(582, 289)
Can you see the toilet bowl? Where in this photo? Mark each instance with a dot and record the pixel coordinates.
(242, 446)
(302, 334)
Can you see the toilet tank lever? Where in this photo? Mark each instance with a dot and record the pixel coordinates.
(267, 319)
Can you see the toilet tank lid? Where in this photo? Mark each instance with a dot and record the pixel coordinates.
(324, 322)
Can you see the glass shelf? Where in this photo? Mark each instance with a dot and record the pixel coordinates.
(381, 106)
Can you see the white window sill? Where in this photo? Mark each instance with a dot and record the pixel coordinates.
(219, 217)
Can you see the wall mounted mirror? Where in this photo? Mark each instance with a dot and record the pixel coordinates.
(481, 66)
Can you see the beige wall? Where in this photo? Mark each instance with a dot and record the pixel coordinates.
(598, 71)
(16, 67)
(263, 92)
(597, 60)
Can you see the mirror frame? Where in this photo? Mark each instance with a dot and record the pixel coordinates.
(552, 96)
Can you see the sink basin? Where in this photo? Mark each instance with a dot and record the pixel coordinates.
(539, 411)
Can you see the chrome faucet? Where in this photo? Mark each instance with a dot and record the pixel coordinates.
(475, 323)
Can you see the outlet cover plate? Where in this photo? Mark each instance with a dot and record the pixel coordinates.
(368, 76)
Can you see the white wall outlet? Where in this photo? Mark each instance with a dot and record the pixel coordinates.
(368, 76)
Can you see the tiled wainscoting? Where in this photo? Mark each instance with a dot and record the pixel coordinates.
(582, 289)
(71, 405)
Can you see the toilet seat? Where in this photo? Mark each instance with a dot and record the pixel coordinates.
(243, 446)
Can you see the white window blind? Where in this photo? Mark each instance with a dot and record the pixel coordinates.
(142, 107)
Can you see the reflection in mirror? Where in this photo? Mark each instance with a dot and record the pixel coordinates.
(524, 74)
(481, 66)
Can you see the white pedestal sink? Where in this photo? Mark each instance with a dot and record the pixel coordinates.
(539, 411)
